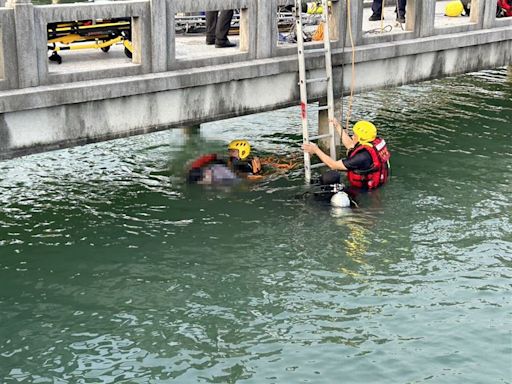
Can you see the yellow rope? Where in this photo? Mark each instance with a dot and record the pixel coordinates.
(278, 163)
(353, 81)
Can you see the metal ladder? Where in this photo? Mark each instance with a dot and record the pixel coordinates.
(303, 82)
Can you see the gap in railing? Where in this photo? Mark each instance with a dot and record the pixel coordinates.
(285, 26)
(504, 9)
(449, 14)
(391, 19)
(192, 41)
(311, 14)
(84, 45)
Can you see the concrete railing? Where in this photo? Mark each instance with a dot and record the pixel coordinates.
(42, 108)
(24, 58)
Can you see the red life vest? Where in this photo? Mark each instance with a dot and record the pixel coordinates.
(203, 160)
(506, 7)
(378, 173)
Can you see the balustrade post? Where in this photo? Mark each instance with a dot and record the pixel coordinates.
(266, 28)
(158, 35)
(356, 20)
(26, 46)
(488, 14)
(425, 12)
(335, 19)
(414, 17)
(245, 34)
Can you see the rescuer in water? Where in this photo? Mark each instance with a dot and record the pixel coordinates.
(367, 161)
(216, 169)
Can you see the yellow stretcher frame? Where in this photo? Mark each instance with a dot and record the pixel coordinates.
(75, 35)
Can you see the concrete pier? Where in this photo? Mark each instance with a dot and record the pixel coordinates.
(173, 80)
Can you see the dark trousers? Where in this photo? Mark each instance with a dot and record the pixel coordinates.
(377, 6)
(217, 26)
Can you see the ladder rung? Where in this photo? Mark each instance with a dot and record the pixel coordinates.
(319, 137)
(318, 165)
(317, 80)
(323, 108)
(313, 51)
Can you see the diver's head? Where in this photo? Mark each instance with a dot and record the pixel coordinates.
(365, 132)
(239, 149)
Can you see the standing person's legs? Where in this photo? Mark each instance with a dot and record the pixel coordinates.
(401, 8)
(211, 26)
(376, 9)
(223, 25)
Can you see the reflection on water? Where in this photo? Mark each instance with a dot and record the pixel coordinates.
(112, 269)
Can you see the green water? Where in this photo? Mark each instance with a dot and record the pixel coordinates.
(113, 270)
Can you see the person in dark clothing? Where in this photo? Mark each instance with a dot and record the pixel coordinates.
(218, 169)
(217, 28)
(377, 10)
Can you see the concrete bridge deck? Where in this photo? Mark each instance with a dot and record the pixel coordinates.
(175, 80)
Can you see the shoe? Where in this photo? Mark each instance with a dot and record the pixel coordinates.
(401, 19)
(374, 17)
(210, 42)
(225, 44)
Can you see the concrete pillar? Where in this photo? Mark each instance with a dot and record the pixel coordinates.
(171, 35)
(415, 17)
(323, 128)
(244, 30)
(424, 17)
(137, 36)
(339, 13)
(489, 14)
(334, 20)
(477, 12)
(28, 73)
(356, 20)
(266, 27)
(158, 35)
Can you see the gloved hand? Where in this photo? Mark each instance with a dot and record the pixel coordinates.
(256, 166)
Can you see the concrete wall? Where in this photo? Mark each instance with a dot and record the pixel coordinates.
(159, 92)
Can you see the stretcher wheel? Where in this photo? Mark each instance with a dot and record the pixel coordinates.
(56, 57)
(105, 49)
(127, 53)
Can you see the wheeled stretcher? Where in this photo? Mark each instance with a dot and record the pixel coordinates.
(87, 34)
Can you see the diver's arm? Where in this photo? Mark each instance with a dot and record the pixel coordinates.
(333, 164)
(347, 140)
(345, 137)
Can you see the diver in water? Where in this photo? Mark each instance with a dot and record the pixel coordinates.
(367, 161)
(216, 169)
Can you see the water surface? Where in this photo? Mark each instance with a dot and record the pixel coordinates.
(113, 270)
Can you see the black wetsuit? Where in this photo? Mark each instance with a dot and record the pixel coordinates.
(242, 166)
(362, 161)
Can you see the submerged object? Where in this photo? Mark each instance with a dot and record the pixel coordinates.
(340, 200)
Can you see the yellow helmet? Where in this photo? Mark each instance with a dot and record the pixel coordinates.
(365, 131)
(243, 147)
(454, 9)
